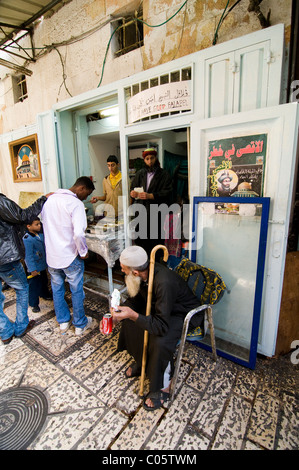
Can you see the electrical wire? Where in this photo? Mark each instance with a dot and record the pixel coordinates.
(219, 24)
(64, 77)
(182, 32)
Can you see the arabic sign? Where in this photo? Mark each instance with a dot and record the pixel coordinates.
(165, 98)
(236, 166)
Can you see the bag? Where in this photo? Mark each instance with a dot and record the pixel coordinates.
(206, 284)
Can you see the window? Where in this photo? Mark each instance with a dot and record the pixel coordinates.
(20, 88)
(129, 35)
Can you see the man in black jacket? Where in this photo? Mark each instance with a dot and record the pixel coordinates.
(172, 299)
(154, 189)
(12, 218)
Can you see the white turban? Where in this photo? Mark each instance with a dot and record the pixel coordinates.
(133, 257)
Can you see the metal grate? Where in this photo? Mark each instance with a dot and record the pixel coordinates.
(23, 412)
(129, 34)
(21, 88)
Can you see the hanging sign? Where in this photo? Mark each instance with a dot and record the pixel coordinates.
(165, 98)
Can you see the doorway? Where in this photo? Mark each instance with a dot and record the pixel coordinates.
(172, 151)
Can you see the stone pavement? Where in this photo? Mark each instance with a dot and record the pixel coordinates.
(89, 404)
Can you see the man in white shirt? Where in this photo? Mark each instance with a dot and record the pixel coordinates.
(64, 225)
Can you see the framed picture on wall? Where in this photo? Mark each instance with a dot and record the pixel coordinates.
(25, 160)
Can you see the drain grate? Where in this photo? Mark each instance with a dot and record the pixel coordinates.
(23, 412)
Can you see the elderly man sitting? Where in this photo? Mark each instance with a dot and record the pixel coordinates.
(171, 301)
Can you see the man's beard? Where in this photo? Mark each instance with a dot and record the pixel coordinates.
(133, 284)
(154, 167)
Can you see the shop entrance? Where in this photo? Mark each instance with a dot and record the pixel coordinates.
(167, 216)
(172, 149)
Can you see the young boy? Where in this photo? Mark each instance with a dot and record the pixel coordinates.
(35, 259)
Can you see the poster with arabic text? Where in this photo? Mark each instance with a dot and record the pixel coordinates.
(236, 166)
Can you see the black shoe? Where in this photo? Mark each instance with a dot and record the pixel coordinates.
(31, 324)
(35, 309)
(7, 341)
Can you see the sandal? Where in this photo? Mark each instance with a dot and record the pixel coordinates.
(135, 371)
(157, 398)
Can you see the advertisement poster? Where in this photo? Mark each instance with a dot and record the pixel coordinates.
(236, 166)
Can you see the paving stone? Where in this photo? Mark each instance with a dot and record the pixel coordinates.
(12, 375)
(129, 400)
(246, 384)
(93, 361)
(73, 360)
(62, 432)
(104, 374)
(173, 424)
(121, 391)
(248, 445)
(104, 433)
(233, 425)
(40, 372)
(192, 440)
(263, 421)
(66, 394)
(288, 434)
(200, 376)
(208, 413)
(12, 353)
(141, 426)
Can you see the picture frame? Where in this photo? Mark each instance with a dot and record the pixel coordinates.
(25, 159)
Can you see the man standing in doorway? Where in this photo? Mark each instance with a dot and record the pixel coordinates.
(64, 223)
(156, 186)
(112, 187)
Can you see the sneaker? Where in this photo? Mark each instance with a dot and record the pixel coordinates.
(65, 326)
(80, 331)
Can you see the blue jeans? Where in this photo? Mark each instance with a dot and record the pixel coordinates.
(74, 275)
(14, 276)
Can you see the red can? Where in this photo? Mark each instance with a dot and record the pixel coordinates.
(107, 323)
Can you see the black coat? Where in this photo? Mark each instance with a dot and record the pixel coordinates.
(161, 187)
(171, 297)
(12, 227)
(171, 301)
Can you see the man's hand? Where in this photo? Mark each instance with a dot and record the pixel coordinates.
(121, 314)
(35, 273)
(134, 194)
(145, 195)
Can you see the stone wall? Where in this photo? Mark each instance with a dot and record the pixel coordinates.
(71, 44)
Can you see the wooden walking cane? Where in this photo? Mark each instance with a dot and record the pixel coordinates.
(148, 307)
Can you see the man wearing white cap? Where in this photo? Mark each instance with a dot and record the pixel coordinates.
(171, 301)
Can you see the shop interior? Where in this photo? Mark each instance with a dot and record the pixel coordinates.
(172, 150)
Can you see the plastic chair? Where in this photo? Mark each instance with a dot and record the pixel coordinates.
(209, 288)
